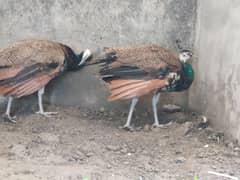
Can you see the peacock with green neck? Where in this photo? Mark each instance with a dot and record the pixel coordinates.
(185, 80)
(188, 74)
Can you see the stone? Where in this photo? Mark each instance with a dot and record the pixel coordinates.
(113, 148)
(147, 127)
(180, 159)
(187, 128)
(171, 108)
(102, 109)
(124, 151)
(89, 154)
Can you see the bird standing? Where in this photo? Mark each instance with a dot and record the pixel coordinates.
(134, 71)
(27, 66)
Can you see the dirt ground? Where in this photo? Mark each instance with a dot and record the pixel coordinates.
(82, 145)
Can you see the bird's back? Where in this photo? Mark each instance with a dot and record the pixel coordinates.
(28, 65)
(31, 51)
(144, 56)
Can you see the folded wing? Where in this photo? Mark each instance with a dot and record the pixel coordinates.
(26, 66)
(28, 80)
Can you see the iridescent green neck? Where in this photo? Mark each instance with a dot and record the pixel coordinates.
(188, 70)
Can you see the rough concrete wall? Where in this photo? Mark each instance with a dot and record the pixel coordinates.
(217, 86)
(89, 24)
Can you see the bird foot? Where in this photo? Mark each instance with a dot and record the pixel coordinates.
(47, 114)
(127, 127)
(157, 125)
(9, 118)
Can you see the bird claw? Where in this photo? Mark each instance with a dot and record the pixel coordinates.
(9, 118)
(156, 125)
(127, 127)
(47, 114)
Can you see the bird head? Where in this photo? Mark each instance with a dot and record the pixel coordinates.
(185, 55)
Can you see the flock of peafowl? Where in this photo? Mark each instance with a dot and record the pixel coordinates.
(27, 66)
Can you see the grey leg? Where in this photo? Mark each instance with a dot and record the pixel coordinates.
(8, 111)
(155, 100)
(40, 104)
(132, 107)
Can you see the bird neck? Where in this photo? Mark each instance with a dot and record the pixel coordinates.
(72, 62)
(188, 71)
(187, 77)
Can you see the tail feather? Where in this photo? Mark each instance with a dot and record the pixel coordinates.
(128, 88)
(9, 72)
(138, 89)
(114, 84)
(26, 82)
(33, 84)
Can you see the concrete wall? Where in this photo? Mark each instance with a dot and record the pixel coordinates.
(92, 23)
(89, 24)
(216, 90)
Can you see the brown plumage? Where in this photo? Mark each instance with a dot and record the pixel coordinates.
(134, 71)
(150, 63)
(147, 57)
(30, 59)
(134, 88)
(27, 66)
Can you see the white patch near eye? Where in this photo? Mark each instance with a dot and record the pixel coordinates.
(184, 57)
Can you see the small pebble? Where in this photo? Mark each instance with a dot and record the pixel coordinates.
(147, 128)
(113, 148)
(231, 145)
(171, 108)
(124, 151)
(180, 159)
(102, 109)
(206, 146)
(178, 152)
(89, 154)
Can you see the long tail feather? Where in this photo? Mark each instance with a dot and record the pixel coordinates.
(128, 88)
(23, 84)
(123, 82)
(134, 90)
(9, 72)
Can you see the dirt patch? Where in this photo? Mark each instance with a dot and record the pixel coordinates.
(78, 144)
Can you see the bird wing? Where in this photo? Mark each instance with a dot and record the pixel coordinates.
(147, 57)
(29, 65)
(29, 80)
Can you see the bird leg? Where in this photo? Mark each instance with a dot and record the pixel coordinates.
(132, 107)
(155, 100)
(40, 104)
(7, 114)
